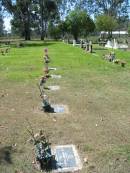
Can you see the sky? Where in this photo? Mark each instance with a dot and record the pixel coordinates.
(7, 23)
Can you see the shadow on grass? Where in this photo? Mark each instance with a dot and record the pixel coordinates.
(100, 48)
(38, 44)
(5, 155)
(48, 166)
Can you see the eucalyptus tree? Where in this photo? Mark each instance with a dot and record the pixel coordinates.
(44, 11)
(106, 23)
(1, 21)
(79, 23)
(115, 8)
(108, 7)
(21, 12)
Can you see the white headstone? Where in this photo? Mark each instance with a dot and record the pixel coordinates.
(74, 42)
(109, 44)
(115, 44)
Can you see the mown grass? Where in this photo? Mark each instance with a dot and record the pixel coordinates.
(96, 91)
(26, 62)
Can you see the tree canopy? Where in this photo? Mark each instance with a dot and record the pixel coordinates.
(106, 23)
(79, 22)
(36, 15)
(1, 21)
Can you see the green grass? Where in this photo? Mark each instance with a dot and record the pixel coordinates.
(96, 91)
(26, 62)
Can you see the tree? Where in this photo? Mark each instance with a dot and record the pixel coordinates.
(128, 30)
(54, 31)
(65, 6)
(106, 23)
(44, 10)
(1, 21)
(108, 7)
(63, 27)
(79, 22)
(21, 11)
(116, 8)
(47, 9)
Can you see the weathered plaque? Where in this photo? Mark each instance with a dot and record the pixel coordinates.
(56, 76)
(54, 88)
(60, 108)
(52, 68)
(67, 158)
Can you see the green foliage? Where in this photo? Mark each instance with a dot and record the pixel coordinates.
(54, 31)
(35, 14)
(112, 7)
(1, 22)
(106, 23)
(79, 22)
(129, 31)
(63, 27)
(21, 11)
(31, 14)
(45, 10)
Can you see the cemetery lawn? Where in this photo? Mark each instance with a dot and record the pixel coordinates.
(96, 91)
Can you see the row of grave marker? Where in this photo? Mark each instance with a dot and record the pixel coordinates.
(85, 45)
(111, 57)
(66, 156)
(46, 106)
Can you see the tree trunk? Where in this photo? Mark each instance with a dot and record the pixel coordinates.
(42, 20)
(109, 34)
(27, 32)
(27, 35)
(42, 35)
(45, 28)
(42, 29)
(76, 37)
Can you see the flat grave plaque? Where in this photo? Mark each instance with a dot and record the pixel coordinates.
(56, 76)
(54, 88)
(52, 68)
(60, 108)
(67, 158)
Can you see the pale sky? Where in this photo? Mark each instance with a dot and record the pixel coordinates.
(7, 23)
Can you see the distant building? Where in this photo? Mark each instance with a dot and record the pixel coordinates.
(104, 34)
